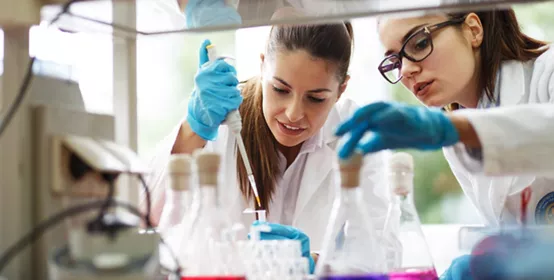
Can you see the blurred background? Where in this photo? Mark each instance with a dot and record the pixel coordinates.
(167, 65)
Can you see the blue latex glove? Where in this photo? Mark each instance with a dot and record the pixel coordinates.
(280, 232)
(396, 126)
(459, 269)
(214, 96)
(201, 13)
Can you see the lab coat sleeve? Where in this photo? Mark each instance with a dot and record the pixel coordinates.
(515, 140)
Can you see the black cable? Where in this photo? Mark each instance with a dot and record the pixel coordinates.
(107, 201)
(148, 202)
(40, 229)
(12, 109)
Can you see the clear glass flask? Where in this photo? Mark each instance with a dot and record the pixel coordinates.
(353, 252)
(210, 251)
(416, 262)
(178, 197)
(176, 215)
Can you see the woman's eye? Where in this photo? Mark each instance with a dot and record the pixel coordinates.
(315, 99)
(422, 44)
(279, 90)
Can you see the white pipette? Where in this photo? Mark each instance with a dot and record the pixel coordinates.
(234, 121)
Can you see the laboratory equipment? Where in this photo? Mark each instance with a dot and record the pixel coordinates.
(355, 253)
(178, 211)
(25, 161)
(271, 259)
(210, 250)
(101, 245)
(234, 122)
(416, 262)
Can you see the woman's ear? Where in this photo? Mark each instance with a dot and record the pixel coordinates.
(475, 30)
(342, 87)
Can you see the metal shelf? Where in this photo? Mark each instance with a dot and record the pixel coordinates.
(166, 17)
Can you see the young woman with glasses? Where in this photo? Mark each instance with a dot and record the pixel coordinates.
(470, 61)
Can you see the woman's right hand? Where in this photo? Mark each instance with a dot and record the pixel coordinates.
(215, 95)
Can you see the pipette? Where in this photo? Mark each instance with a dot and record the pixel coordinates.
(260, 214)
(234, 121)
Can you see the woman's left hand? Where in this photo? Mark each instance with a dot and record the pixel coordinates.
(280, 232)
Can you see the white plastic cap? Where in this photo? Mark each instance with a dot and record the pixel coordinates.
(401, 173)
(180, 163)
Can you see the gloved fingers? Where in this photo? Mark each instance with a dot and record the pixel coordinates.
(225, 98)
(459, 269)
(221, 66)
(203, 52)
(374, 143)
(226, 79)
(311, 264)
(257, 222)
(215, 81)
(269, 236)
(362, 115)
(345, 127)
(286, 231)
(350, 145)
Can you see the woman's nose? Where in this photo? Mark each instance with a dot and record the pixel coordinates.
(409, 68)
(295, 110)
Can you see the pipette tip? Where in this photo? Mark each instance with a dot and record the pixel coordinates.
(258, 201)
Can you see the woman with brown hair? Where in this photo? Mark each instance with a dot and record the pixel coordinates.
(289, 114)
(475, 60)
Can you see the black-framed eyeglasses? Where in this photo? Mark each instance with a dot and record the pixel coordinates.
(417, 47)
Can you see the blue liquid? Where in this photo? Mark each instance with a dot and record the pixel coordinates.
(356, 277)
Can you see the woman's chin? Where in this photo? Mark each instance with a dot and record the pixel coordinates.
(289, 143)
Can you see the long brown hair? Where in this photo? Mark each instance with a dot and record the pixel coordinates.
(502, 40)
(331, 42)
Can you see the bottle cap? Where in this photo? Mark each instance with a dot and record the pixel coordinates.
(180, 164)
(401, 170)
(208, 167)
(180, 169)
(402, 162)
(350, 170)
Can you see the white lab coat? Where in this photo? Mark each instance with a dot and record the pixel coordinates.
(318, 187)
(497, 198)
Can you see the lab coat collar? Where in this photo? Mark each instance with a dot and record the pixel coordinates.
(317, 163)
(513, 79)
(313, 143)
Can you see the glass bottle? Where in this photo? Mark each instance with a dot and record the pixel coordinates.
(416, 262)
(178, 195)
(353, 252)
(209, 252)
(176, 215)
